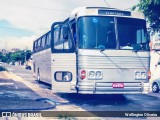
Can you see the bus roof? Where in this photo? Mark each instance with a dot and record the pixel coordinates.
(104, 11)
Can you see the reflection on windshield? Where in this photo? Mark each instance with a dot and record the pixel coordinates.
(99, 33)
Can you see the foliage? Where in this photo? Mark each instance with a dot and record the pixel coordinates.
(151, 9)
(28, 54)
(1, 56)
(2, 68)
(19, 56)
(16, 56)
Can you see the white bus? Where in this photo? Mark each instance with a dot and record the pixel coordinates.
(96, 50)
(42, 58)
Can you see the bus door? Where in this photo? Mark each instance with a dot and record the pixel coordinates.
(63, 59)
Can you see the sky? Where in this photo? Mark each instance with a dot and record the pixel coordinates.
(23, 21)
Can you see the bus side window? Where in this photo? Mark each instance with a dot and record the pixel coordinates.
(36, 46)
(43, 42)
(48, 39)
(62, 38)
(67, 42)
(73, 28)
(39, 44)
(58, 38)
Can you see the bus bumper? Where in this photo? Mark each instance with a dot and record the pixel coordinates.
(146, 88)
(106, 88)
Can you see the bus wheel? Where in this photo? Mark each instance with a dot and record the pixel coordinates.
(38, 75)
(155, 88)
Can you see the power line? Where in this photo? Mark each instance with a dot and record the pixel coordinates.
(106, 3)
(60, 10)
(5, 28)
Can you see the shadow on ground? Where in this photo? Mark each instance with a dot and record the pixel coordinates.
(119, 102)
(95, 99)
(15, 95)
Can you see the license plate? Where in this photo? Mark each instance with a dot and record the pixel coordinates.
(118, 85)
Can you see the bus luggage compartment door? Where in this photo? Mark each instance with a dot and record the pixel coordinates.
(63, 72)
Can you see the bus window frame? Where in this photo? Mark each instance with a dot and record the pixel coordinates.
(77, 32)
(34, 43)
(37, 48)
(72, 49)
(43, 41)
(39, 41)
(74, 38)
(48, 39)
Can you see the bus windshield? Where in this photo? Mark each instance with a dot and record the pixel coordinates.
(112, 33)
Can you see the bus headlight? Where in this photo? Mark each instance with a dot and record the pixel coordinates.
(143, 75)
(140, 75)
(95, 74)
(91, 74)
(99, 74)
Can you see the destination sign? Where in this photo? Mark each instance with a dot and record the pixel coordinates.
(114, 12)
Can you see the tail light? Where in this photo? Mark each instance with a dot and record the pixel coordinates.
(149, 74)
(83, 74)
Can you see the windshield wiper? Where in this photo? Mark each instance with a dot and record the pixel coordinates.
(135, 50)
(101, 50)
(138, 47)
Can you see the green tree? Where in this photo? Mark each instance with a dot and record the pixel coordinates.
(4, 58)
(151, 9)
(8, 56)
(28, 54)
(16, 56)
(1, 56)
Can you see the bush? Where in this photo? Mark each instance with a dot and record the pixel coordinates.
(2, 68)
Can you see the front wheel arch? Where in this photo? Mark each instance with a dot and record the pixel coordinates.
(155, 87)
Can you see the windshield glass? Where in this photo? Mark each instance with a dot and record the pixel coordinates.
(112, 33)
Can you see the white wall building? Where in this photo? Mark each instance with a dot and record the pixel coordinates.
(155, 56)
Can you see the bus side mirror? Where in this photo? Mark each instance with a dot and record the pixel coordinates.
(65, 32)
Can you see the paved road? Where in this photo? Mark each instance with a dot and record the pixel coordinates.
(150, 102)
(15, 95)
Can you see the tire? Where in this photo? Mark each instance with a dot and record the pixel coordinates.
(29, 68)
(155, 88)
(38, 75)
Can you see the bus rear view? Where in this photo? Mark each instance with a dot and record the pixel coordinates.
(111, 52)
